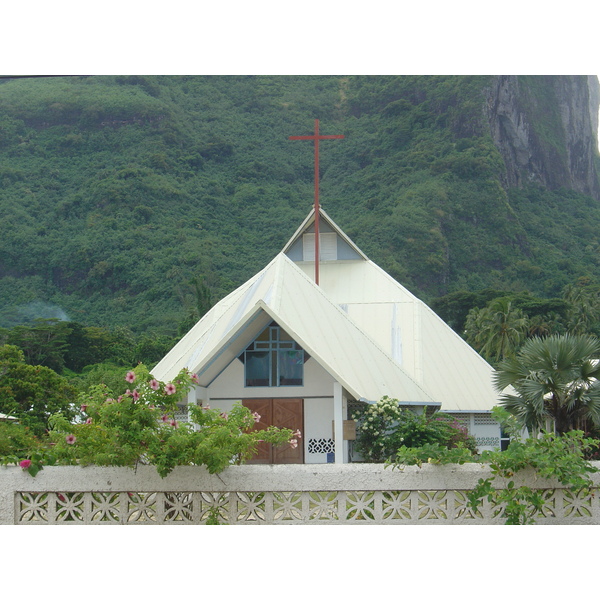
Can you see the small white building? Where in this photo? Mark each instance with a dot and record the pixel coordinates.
(300, 354)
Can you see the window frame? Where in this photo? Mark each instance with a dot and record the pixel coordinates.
(271, 341)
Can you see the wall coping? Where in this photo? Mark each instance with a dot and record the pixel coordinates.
(323, 477)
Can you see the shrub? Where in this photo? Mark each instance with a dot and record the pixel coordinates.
(384, 427)
(139, 426)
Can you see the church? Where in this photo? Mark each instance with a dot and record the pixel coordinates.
(303, 341)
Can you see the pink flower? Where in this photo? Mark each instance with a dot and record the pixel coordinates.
(164, 418)
(154, 384)
(130, 377)
(109, 401)
(170, 389)
(70, 439)
(194, 377)
(174, 423)
(88, 421)
(136, 395)
(25, 464)
(225, 416)
(297, 433)
(294, 443)
(83, 407)
(256, 417)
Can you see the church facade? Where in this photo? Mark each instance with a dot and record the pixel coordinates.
(302, 354)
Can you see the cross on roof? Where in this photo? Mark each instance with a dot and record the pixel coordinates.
(316, 137)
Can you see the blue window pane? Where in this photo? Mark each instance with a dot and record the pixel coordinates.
(257, 368)
(291, 367)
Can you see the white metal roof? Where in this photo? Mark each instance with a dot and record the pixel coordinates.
(281, 292)
(411, 333)
(362, 326)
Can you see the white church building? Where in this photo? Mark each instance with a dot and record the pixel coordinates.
(301, 354)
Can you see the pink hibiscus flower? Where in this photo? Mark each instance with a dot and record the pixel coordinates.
(165, 418)
(294, 443)
(136, 395)
(256, 417)
(170, 389)
(297, 433)
(174, 423)
(154, 384)
(25, 464)
(195, 378)
(70, 439)
(88, 421)
(130, 377)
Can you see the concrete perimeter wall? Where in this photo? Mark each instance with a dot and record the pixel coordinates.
(270, 494)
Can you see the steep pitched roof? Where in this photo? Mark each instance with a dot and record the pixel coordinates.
(368, 331)
(282, 292)
(405, 328)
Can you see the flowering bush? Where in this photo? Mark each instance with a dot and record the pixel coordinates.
(384, 427)
(139, 426)
(18, 445)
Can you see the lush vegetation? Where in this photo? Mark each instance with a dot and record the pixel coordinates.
(139, 427)
(129, 205)
(498, 323)
(384, 427)
(32, 393)
(135, 201)
(551, 457)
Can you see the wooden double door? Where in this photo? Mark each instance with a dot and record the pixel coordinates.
(279, 412)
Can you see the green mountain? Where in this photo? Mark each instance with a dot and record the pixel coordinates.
(126, 200)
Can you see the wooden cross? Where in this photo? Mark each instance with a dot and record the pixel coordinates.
(316, 137)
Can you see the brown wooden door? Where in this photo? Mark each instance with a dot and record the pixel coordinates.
(264, 409)
(279, 412)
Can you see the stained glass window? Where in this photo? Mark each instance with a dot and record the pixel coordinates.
(274, 359)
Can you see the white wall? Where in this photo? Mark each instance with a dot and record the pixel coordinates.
(270, 494)
(230, 384)
(318, 434)
(483, 427)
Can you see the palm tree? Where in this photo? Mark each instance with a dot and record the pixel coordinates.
(584, 307)
(497, 330)
(554, 377)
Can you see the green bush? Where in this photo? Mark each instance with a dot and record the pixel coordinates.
(384, 427)
(138, 426)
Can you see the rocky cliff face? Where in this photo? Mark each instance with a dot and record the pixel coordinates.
(546, 128)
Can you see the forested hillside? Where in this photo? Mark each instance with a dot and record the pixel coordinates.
(136, 201)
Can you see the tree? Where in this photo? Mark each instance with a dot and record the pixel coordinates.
(554, 377)
(583, 307)
(43, 343)
(497, 330)
(32, 392)
(199, 304)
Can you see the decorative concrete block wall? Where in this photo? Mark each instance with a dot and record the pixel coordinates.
(269, 494)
